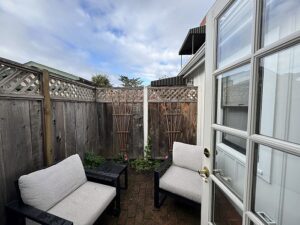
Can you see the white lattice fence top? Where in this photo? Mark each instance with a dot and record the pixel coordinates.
(65, 89)
(17, 81)
(120, 94)
(172, 94)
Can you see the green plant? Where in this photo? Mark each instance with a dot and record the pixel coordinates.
(101, 80)
(121, 158)
(146, 163)
(91, 160)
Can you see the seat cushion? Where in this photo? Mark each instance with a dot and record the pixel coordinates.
(45, 188)
(85, 204)
(187, 156)
(183, 182)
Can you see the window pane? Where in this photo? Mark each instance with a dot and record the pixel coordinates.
(224, 211)
(232, 98)
(234, 32)
(229, 165)
(279, 90)
(280, 18)
(278, 200)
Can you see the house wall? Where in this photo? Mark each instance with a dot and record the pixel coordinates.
(197, 76)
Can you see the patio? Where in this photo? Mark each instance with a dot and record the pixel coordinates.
(55, 117)
(137, 206)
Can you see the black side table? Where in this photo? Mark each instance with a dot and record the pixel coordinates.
(112, 168)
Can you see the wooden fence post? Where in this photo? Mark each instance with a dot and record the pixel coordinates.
(48, 148)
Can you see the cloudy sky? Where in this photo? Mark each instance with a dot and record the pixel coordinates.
(138, 38)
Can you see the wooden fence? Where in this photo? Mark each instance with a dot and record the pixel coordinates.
(79, 120)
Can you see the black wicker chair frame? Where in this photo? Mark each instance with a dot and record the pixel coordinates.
(17, 210)
(161, 194)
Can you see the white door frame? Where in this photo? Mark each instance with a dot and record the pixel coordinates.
(209, 126)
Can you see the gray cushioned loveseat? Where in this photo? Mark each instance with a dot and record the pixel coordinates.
(63, 194)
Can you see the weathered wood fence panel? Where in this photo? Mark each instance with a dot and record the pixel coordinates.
(108, 140)
(158, 126)
(21, 144)
(75, 128)
(81, 120)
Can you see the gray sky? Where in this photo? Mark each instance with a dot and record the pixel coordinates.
(117, 37)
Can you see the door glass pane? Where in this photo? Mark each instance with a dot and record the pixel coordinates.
(280, 18)
(232, 98)
(279, 95)
(224, 211)
(230, 159)
(278, 200)
(234, 32)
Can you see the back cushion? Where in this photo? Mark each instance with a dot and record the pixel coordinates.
(187, 156)
(45, 188)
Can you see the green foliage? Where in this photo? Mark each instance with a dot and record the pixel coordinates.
(121, 158)
(101, 80)
(91, 160)
(145, 164)
(130, 82)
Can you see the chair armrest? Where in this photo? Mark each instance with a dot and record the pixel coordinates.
(163, 167)
(15, 208)
(101, 177)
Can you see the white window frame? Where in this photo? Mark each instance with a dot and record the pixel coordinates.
(250, 135)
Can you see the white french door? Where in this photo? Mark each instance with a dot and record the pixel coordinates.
(252, 113)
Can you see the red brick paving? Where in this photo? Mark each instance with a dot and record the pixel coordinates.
(137, 206)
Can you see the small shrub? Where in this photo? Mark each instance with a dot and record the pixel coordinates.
(145, 164)
(91, 160)
(121, 158)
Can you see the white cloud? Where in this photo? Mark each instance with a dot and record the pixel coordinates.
(132, 37)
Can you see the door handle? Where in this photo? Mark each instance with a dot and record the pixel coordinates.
(204, 173)
(220, 174)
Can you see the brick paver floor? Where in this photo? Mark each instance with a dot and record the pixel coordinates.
(137, 206)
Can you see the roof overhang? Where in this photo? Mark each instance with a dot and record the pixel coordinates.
(196, 61)
(193, 41)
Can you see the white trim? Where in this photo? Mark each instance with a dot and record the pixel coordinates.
(277, 144)
(229, 130)
(254, 218)
(200, 54)
(201, 62)
(145, 118)
(228, 192)
(232, 152)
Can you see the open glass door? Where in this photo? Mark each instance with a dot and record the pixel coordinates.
(252, 108)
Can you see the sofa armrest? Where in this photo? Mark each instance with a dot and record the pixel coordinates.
(101, 177)
(15, 209)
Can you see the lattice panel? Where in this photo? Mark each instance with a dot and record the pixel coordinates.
(64, 89)
(172, 94)
(120, 94)
(15, 81)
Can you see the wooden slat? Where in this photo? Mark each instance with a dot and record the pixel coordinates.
(70, 128)
(36, 128)
(80, 116)
(158, 126)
